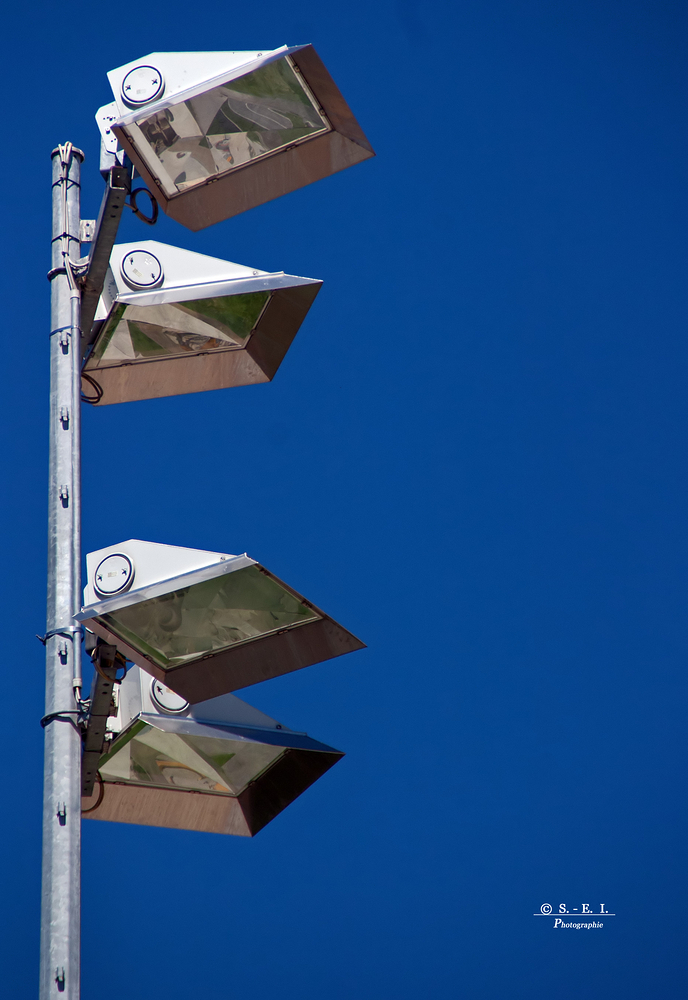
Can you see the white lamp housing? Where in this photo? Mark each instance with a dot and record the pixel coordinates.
(171, 321)
(204, 623)
(216, 133)
(221, 766)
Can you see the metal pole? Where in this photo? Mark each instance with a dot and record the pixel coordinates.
(61, 889)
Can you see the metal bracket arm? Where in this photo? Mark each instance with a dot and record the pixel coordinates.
(117, 188)
(106, 661)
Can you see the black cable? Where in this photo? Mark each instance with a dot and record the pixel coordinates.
(101, 795)
(98, 389)
(149, 219)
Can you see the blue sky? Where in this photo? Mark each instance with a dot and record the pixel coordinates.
(473, 456)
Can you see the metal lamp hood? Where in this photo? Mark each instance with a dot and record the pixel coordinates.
(171, 321)
(204, 623)
(216, 133)
(220, 767)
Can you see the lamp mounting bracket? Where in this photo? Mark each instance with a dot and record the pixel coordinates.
(106, 660)
(87, 230)
(117, 188)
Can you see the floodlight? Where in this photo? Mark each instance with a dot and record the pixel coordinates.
(171, 321)
(216, 133)
(221, 766)
(204, 623)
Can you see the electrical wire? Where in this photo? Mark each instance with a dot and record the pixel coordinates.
(148, 219)
(119, 662)
(97, 387)
(101, 795)
(111, 680)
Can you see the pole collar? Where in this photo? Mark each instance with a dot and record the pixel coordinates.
(68, 631)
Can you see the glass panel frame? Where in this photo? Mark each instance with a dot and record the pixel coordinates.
(148, 756)
(209, 617)
(134, 333)
(189, 142)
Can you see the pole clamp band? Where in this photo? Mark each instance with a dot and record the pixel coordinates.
(67, 630)
(62, 717)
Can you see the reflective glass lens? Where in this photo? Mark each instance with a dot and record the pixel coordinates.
(146, 756)
(134, 333)
(214, 615)
(190, 142)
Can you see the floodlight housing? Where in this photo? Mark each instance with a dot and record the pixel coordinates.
(220, 767)
(170, 321)
(216, 133)
(204, 623)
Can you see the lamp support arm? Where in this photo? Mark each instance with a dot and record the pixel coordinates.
(117, 188)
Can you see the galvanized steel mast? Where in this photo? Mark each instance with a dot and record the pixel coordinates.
(61, 889)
